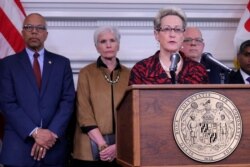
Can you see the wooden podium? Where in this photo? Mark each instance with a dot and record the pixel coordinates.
(145, 125)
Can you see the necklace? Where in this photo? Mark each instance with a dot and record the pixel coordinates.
(109, 80)
(179, 66)
(163, 66)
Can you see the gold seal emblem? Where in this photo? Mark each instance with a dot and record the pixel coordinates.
(207, 126)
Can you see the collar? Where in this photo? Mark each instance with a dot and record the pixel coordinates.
(31, 53)
(100, 63)
(244, 76)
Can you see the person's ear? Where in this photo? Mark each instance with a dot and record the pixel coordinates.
(156, 33)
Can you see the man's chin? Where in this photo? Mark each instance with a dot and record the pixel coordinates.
(34, 47)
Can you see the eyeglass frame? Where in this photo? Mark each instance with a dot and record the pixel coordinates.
(169, 29)
(38, 28)
(197, 40)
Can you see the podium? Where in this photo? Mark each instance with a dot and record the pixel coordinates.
(145, 125)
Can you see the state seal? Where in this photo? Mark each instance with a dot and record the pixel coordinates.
(207, 126)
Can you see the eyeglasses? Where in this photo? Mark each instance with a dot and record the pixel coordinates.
(169, 29)
(190, 40)
(30, 28)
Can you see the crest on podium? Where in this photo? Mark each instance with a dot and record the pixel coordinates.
(207, 126)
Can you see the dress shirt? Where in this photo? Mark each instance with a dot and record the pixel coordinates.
(40, 58)
(244, 76)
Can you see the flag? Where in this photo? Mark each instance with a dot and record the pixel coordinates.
(243, 31)
(12, 16)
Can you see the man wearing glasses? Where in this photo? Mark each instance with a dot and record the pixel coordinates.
(193, 46)
(36, 97)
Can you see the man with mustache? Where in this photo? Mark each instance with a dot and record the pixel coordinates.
(36, 97)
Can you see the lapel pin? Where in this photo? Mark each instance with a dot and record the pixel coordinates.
(50, 62)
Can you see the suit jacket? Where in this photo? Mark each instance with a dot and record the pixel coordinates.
(235, 78)
(214, 72)
(24, 107)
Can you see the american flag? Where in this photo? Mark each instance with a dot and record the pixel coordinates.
(12, 15)
(243, 31)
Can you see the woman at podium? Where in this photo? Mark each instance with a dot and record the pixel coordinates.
(168, 65)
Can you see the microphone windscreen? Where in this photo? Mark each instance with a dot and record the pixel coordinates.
(175, 58)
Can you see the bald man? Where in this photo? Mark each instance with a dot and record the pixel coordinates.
(36, 108)
(193, 46)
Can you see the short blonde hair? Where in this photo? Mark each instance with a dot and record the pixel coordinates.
(169, 11)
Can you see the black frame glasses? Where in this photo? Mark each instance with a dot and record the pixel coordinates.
(38, 28)
(190, 40)
(169, 29)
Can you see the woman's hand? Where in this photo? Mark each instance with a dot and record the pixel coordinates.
(109, 153)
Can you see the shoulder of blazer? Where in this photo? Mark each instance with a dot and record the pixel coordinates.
(236, 77)
(54, 55)
(18, 56)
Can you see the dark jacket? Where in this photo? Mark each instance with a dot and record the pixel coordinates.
(24, 107)
(235, 77)
(215, 73)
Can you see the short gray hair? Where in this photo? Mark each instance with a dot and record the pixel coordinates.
(169, 11)
(102, 29)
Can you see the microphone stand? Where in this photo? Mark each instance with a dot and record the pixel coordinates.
(223, 75)
(222, 78)
(173, 77)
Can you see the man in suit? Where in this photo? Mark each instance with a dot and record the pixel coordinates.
(193, 46)
(243, 73)
(36, 112)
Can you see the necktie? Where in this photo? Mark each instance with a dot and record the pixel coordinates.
(248, 79)
(36, 69)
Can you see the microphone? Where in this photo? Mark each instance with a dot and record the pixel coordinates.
(208, 57)
(175, 58)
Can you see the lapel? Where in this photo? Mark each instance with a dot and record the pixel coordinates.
(47, 67)
(239, 77)
(25, 62)
(236, 78)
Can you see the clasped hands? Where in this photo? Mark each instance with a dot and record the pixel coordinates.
(108, 154)
(44, 140)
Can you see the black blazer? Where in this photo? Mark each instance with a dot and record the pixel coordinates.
(235, 78)
(214, 72)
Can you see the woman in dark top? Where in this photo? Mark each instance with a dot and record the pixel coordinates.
(169, 25)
